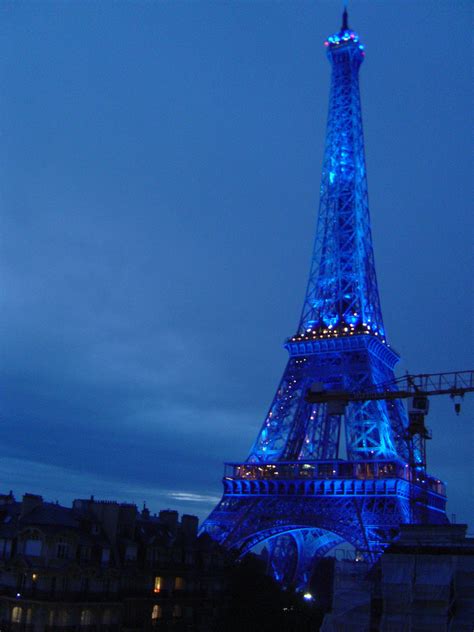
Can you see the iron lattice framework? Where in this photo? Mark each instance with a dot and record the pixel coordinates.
(294, 485)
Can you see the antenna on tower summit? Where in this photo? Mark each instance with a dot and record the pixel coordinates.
(345, 26)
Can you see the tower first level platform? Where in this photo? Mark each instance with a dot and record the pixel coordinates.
(362, 502)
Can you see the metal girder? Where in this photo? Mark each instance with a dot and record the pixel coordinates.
(368, 522)
(342, 287)
(296, 429)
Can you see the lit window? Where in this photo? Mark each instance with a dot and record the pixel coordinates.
(178, 583)
(158, 585)
(105, 556)
(16, 614)
(177, 611)
(86, 617)
(156, 613)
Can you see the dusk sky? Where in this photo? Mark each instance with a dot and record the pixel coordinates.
(159, 177)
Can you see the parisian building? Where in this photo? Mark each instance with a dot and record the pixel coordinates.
(104, 565)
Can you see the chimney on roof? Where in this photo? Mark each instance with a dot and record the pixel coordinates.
(127, 519)
(30, 502)
(7, 499)
(169, 517)
(189, 526)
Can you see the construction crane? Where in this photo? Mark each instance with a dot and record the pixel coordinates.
(415, 387)
(456, 384)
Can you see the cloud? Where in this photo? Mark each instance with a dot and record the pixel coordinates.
(194, 498)
(65, 484)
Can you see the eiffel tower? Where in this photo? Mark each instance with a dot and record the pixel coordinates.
(319, 475)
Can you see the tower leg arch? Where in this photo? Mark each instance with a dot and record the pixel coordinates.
(291, 553)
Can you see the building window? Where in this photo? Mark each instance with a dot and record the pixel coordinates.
(156, 613)
(131, 553)
(85, 552)
(62, 549)
(20, 584)
(158, 585)
(5, 548)
(33, 545)
(177, 611)
(16, 614)
(161, 555)
(86, 617)
(63, 618)
(107, 617)
(105, 556)
(178, 583)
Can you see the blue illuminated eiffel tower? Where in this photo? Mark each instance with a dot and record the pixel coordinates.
(297, 490)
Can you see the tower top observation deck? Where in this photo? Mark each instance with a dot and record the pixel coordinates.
(345, 37)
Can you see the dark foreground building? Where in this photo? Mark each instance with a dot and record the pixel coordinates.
(423, 582)
(102, 565)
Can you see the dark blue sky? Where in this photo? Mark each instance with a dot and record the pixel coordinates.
(159, 177)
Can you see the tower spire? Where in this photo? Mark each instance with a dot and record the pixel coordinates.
(345, 25)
